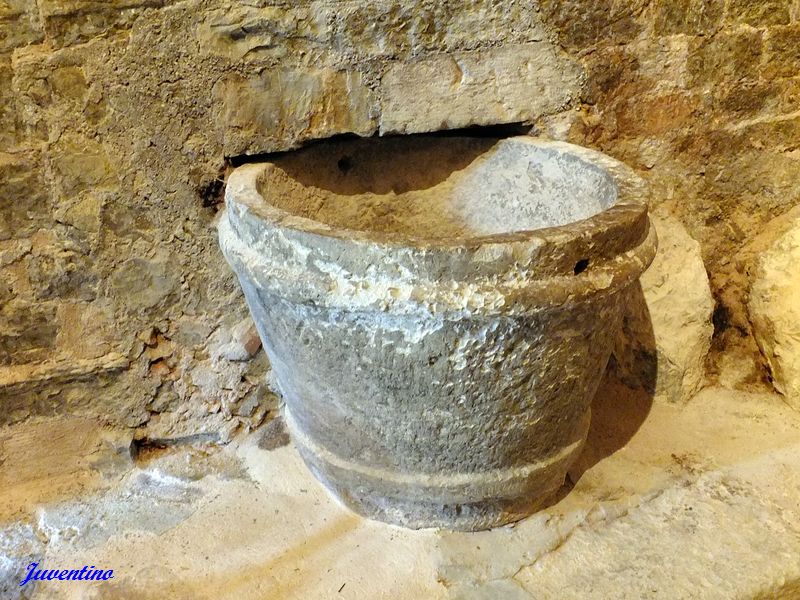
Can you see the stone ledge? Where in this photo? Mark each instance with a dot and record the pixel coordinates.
(31, 374)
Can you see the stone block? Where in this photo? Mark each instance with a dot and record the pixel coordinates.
(773, 303)
(744, 98)
(264, 32)
(397, 29)
(142, 283)
(55, 459)
(728, 56)
(78, 165)
(13, 250)
(82, 213)
(237, 343)
(580, 24)
(504, 85)
(282, 108)
(68, 22)
(62, 271)
(125, 221)
(662, 62)
(8, 112)
(767, 98)
(782, 52)
(30, 93)
(55, 100)
(693, 17)
(667, 329)
(655, 115)
(27, 331)
(87, 330)
(24, 203)
(68, 82)
(608, 70)
(54, 91)
(668, 541)
(19, 24)
(759, 13)
(779, 134)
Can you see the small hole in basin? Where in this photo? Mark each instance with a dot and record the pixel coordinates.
(581, 266)
(344, 164)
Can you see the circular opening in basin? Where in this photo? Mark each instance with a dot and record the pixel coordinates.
(438, 187)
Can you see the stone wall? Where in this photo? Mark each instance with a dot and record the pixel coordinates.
(703, 97)
(117, 119)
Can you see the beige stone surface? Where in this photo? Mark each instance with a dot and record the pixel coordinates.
(691, 501)
(774, 306)
(728, 525)
(48, 460)
(20, 24)
(291, 106)
(505, 85)
(667, 330)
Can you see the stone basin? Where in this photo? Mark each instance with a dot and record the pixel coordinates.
(438, 312)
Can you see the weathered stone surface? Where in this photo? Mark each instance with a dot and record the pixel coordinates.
(27, 331)
(238, 343)
(261, 32)
(667, 329)
(725, 57)
(8, 116)
(674, 506)
(431, 384)
(515, 83)
(759, 12)
(583, 24)
(80, 165)
(399, 29)
(713, 127)
(69, 22)
(19, 544)
(141, 283)
(773, 305)
(56, 459)
(695, 17)
(783, 52)
(286, 107)
(19, 24)
(61, 271)
(24, 203)
(650, 539)
(88, 329)
(657, 115)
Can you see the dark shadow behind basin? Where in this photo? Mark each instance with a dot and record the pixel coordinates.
(624, 397)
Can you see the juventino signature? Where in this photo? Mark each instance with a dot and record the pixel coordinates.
(84, 574)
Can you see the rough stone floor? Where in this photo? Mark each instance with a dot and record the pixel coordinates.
(693, 501)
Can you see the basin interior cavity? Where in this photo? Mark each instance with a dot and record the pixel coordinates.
(438, 187)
